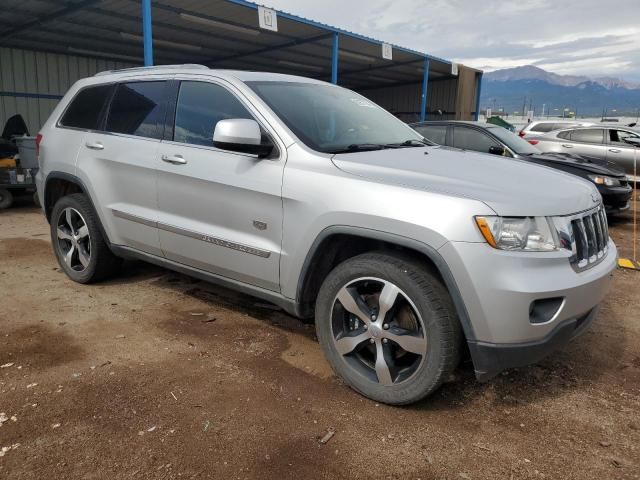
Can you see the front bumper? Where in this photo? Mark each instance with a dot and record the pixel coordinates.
(498, 289)
(615, 199)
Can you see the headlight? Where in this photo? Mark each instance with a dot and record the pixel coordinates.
(603, 180)
(533, 234)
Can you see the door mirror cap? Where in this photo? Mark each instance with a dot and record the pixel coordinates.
(495, 150)
(241, 135)
(633, 141)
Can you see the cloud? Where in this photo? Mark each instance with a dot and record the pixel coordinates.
(586, 37)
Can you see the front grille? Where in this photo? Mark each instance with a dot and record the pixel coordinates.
(590, 238)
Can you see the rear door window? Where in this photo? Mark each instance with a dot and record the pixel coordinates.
(85, 110)
(435, 133)
(138, 109)
(472, 139)
(588, 135)
(200, 107)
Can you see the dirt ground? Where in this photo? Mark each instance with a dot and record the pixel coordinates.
(157, 375)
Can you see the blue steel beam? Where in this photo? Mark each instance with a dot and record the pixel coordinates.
(478, 92)
(335, 52)
(425, 85)
(46, 18)
(147, 33)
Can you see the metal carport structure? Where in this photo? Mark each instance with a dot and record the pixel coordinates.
(108, 34)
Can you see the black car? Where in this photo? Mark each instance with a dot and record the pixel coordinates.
(487, 138)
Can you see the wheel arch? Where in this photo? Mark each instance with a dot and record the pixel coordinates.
(326, 252)
(60, 184)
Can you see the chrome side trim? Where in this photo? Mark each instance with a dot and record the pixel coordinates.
(191, 234)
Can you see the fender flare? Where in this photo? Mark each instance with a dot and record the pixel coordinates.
(56, 175)
(410, 243)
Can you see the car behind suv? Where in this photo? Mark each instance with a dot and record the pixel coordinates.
(610, 179)
(618, 145)
(314, 198)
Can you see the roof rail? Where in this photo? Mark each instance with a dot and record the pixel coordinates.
(192, 66)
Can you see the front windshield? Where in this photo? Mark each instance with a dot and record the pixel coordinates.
(513, 141)
(333, 119)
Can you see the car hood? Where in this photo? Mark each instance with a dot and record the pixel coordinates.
(583, 162)
(509, 186)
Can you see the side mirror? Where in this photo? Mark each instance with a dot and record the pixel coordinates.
(634, 141)
(241, 135)
(494, 150)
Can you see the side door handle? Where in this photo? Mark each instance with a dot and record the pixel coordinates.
(566, 145)
(614, 150)
(174, 159)
(94, 146)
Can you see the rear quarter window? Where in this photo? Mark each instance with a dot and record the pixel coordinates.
(85, 110)
(435, 133)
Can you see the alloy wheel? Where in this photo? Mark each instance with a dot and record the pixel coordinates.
(74, 241)
(378, 331)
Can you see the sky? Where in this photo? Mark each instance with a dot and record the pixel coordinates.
(595, 38)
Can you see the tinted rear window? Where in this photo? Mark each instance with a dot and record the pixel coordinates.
(435, 133)
(542, 127)
(85, 109)
(588, 135)
(136, 109)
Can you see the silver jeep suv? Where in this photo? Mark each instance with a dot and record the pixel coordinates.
(314, 198)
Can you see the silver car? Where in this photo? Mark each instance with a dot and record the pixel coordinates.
(311, 196)
(615, 144)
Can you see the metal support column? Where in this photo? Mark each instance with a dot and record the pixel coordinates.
(334, 58)
(147, 33)
(425, 86)
(478, 91)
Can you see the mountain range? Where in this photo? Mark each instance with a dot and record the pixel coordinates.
(528, 85)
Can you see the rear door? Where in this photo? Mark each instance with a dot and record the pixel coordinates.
(620, 152)
(219, 211)
(586, 141)
(122, 159)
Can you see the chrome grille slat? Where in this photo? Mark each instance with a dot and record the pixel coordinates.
(590, 234)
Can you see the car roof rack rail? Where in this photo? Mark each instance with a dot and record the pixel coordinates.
(190, 66)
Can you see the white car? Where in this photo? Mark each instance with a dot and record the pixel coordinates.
(545, 126)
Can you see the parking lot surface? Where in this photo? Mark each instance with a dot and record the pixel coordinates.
(157, 375)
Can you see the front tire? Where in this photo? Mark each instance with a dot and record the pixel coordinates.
(388, 327)
(77, 240)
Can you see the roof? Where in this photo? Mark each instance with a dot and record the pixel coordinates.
(194, 69)
(215, 33)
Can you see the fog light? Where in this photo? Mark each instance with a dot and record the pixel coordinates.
(545, 310)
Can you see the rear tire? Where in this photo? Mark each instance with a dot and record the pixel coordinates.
(6, 198)
(77, 241)
(404, 338)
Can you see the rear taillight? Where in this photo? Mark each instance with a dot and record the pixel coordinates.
(533, 142)
(38, 140)
(521, 133)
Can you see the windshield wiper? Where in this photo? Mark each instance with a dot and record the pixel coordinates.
(412, 142)
(362, 147)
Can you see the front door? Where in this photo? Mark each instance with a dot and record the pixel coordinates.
(623, 153)
(219, 211)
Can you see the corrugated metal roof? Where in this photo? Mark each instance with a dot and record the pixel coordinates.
(217, 33)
